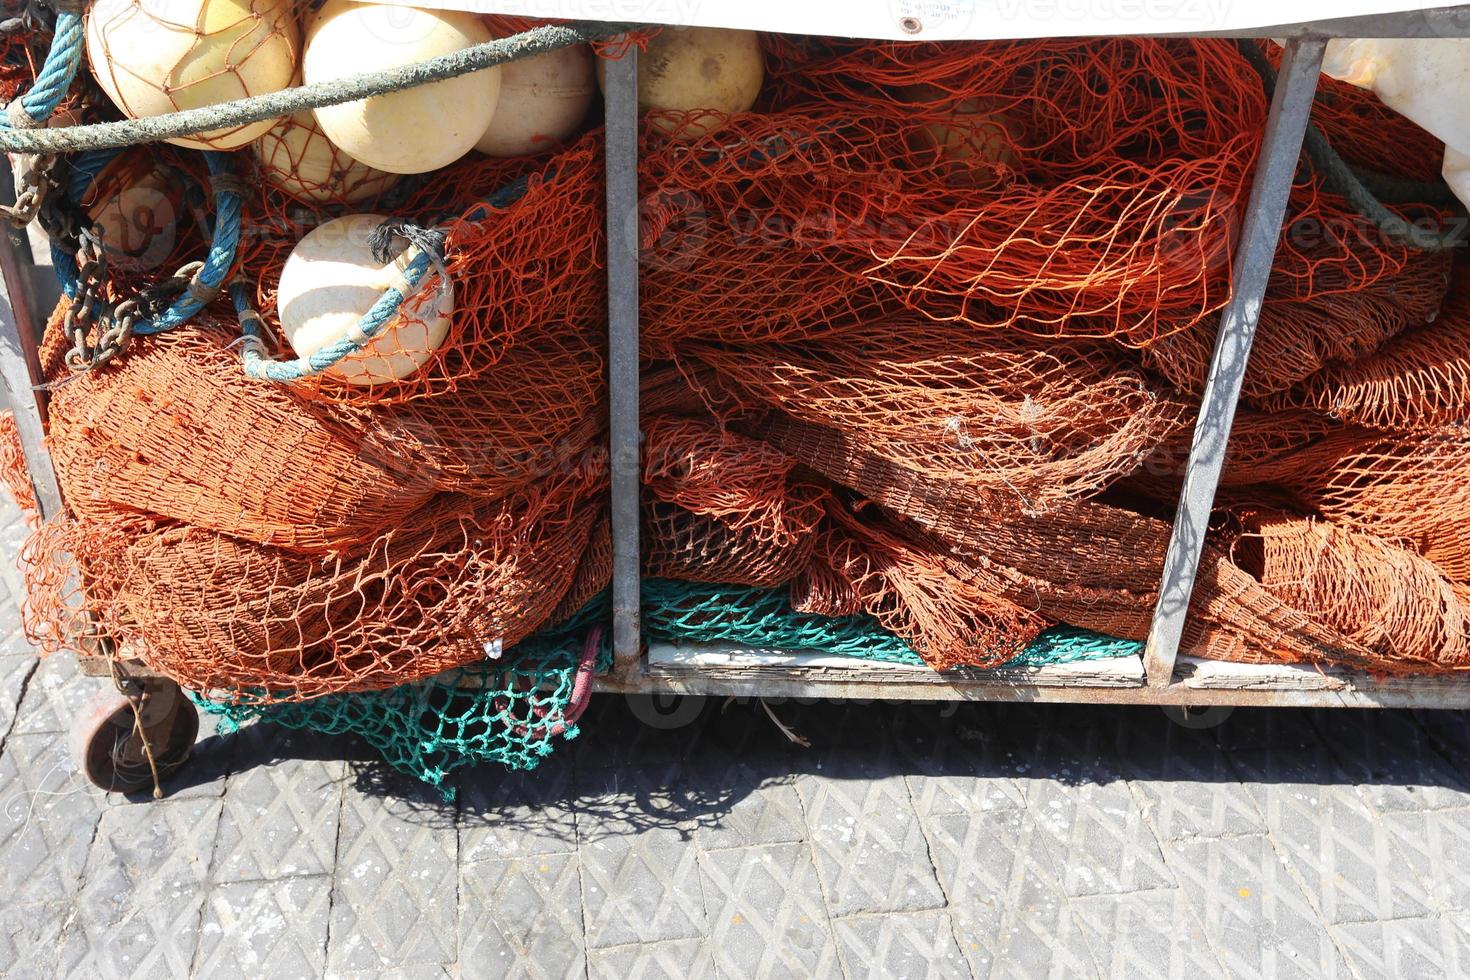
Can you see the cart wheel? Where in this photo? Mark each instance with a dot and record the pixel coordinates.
(105, 742)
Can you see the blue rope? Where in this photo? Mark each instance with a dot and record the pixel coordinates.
(226, 239)
(384, 311)
(57, 73)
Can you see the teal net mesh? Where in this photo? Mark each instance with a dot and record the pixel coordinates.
(688, 612)
(515, 711)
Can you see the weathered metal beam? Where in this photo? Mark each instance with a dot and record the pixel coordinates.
(1291, 106)
(20, 366)
(620, 97)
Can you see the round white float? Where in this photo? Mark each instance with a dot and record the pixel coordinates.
(414, 130)
(543, 101)
(331, 280)
(158, 56)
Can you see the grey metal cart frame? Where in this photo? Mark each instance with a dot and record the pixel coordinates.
(1160, 677)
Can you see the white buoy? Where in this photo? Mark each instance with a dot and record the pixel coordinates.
(158, 56)
(331, 280)
(414, 130)
(543, 101)
(692, 68)
(295, 156)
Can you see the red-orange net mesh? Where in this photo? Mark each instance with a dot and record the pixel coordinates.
(921, 340)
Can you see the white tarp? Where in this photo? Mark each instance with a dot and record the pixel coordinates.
(949, 19)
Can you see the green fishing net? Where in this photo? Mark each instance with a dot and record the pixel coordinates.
(688, 612)
(514, 710)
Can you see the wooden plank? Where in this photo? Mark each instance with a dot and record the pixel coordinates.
(1223, 676)
(733, 661)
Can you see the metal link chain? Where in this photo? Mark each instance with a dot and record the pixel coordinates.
(35, 184)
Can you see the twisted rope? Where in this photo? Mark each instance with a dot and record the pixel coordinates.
(52, 82)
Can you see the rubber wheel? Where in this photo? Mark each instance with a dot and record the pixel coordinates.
(109, 752)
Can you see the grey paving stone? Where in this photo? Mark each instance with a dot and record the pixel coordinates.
(1099, 838)
(1005, 892)
(508, 815)
(396, 883)
(1257, 920)
(763, 810)
(1399, 764)
(1429, 843)
(139, 907)
(280, 820)
(48, 814)
(1192, 791)
(1335, 843)
(908, 944)
(687, 959)
(641, 887)
(640, 872)
(265, 928)
(1146, 934)
(1267, 728)
(55, 695)
(1424, 948)
(522, 918)
(870, 851)
(766, 913)
(133, 934)
(15, 671)
(30, 938)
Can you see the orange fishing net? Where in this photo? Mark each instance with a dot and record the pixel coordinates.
(922, 339)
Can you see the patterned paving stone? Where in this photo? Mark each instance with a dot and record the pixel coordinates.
(1258, 922)
(870, 851)
(1332, 840)
(265, 928)
(763, 810)
(1192, 791)
(1005, 892)
(139, 907)
(30, 938)
(15, 671)
(508, 815)
(1429, 843)
(1422, 948)
(48, 814)
(687, 959)
(522, 918)
(1146, 935)
(395, 902)
(766, 912)
(1399, 764)
(909, 944)
(280, 819)
(55, 695)
(642, 887)
(1100, 840)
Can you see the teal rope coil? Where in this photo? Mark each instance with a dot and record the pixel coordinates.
(225, 241)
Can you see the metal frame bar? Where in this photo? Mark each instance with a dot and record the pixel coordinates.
(1260, 231)
(20, 364)
(620, 99)
(1291, 108)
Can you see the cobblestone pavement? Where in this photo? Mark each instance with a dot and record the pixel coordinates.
(909, 841)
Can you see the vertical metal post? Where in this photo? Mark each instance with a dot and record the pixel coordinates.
(620, 97)
(1291, 107)
(20, 369)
